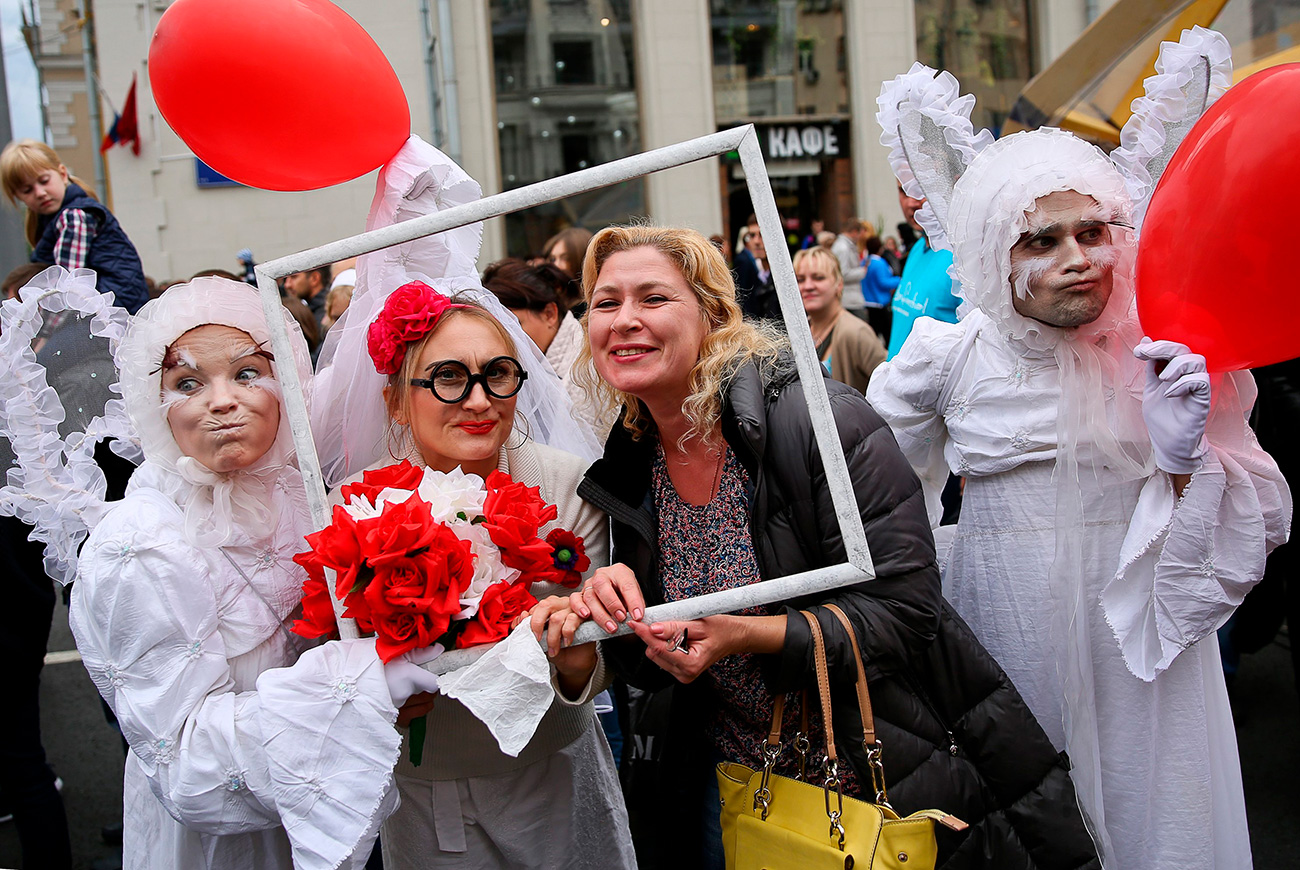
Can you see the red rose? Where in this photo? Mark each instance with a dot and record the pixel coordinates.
(500, 604)
(416, 592)
(317, 610)
(512, 515)
(337, 547)
(403, 475)
(409, 313)
(413, 309)
(400, 624)
(401, 529)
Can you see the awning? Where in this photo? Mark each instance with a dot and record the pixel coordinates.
(1089, 89)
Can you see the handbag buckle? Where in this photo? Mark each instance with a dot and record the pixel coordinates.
(763, 800)
(803, 746)
(875, 761)
(763, 796)
(832, 770)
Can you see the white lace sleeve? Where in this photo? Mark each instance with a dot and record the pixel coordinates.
(909, 392)
(312, 749)
(1187, 563)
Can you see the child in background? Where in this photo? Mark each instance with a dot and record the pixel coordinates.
(67, 226)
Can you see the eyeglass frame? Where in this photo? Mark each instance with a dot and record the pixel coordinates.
(479, 378)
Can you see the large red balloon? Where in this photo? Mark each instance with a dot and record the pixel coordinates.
(1217, 258)
(277, 94)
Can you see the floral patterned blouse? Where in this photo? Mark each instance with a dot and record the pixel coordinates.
(708, 548)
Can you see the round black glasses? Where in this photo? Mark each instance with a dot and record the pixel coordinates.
(451, 380)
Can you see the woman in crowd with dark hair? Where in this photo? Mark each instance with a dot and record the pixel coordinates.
(878, 287)
(536, 295)
(567, 250)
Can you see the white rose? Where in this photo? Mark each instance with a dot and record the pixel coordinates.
(488, 567)
(453, 494)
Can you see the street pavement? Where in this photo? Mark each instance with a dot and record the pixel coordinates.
(86, 752)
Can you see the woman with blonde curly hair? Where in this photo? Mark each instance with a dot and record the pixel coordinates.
(714, 481)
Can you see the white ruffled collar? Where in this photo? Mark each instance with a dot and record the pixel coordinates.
(224, 509)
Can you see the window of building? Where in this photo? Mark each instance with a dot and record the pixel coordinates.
(565, 100)
(574, 62)
(778, 58)
(985, 44)
(780, 64)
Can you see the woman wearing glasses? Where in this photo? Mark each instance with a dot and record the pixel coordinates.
(454, 385)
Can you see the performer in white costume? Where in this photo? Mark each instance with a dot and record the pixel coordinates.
(1107, 530)
(239, 757)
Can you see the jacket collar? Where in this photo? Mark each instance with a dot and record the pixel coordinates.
(624, 471)
(73, 196)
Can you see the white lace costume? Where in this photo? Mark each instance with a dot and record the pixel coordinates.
(1094, 587)
(246, 751)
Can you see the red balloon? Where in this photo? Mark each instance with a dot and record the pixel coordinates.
(277, 94)
(1217, 257)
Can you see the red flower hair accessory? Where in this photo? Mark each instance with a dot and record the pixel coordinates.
(409, 314)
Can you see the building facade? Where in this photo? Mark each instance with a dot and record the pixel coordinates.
(58, 34)
(522, 90)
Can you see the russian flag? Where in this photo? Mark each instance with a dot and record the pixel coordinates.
(125, 127)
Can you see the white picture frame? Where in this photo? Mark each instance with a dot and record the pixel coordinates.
(857, 568)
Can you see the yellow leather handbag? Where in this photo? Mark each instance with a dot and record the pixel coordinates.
(773, 822)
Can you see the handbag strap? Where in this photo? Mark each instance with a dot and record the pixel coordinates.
(778, 711)
(832, 766)
(870, 743)
(864, 697)
(823, 681)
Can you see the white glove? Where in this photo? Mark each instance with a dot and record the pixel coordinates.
(1175, 404)
(405, 677)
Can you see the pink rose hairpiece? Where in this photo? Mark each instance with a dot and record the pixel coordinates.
(409, 314)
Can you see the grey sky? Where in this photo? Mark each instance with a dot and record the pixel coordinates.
(24, 100)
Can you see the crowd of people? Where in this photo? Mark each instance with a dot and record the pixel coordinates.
(1050, 675)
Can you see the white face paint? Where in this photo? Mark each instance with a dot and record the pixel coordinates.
(220, 398)
(1062, 266)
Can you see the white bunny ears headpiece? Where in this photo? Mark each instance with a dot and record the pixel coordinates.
(926, 125)
(1190, 75)
(55, 486)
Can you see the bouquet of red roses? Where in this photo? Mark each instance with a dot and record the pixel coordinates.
(424, 557)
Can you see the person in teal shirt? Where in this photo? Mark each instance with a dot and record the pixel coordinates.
(926, 289)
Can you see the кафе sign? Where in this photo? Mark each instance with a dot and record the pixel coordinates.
(820, 140)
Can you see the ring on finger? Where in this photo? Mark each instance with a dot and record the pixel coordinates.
(680, 643)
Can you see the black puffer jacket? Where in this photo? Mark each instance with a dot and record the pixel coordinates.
(956, 734)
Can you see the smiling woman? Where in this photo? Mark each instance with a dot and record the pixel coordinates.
(714, 481)
(453, 393)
